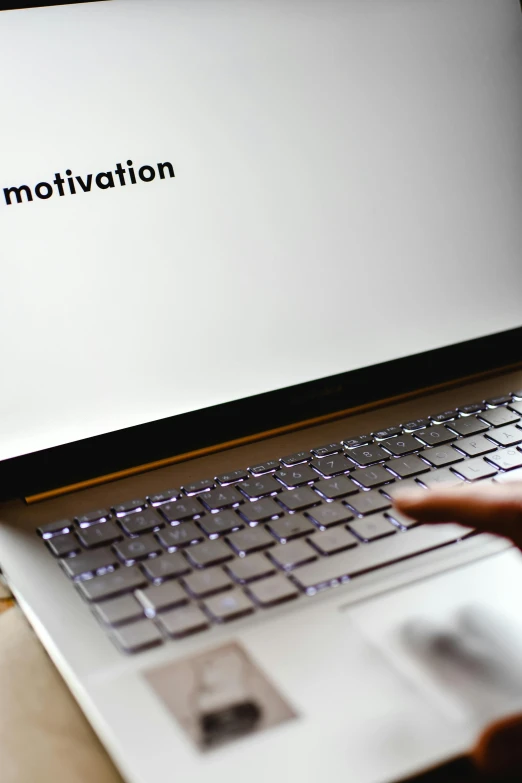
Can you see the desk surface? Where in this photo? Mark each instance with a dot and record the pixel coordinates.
(43, 733)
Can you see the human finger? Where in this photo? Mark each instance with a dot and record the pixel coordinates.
(492, 508)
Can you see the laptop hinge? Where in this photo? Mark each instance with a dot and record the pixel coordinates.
(203, 452)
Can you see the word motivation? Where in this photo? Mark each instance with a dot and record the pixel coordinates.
(73, 184)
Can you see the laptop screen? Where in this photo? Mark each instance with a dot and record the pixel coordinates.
(205, 200)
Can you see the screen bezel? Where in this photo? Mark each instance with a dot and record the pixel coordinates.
(129, 448)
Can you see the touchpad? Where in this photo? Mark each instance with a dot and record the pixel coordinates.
(458, 636)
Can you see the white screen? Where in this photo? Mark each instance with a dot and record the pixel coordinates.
(347, 190)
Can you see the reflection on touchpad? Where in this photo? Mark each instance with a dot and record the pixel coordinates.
(219, 695)
(475, 654)
(457, 637)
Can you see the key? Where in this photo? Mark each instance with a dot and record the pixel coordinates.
(474, 407)
(60, 527)
(123, 580)
(476, 468)
(516, 406)
(506, 459)
(144, 522)
(329, 514)
(272, 591)
(439, 457)
(168, 566)
(250, 540)
(367, 455)
(401, 520)
(183, 622)
(136, 549)
(99, 535)
(437, 478)
(270, 466)
(405, 444)
(388, 432)
(137, 636)
(248, 569)
(64, 545)
(407, 466)
(500, 400)
(215, 525)
(101, 515)
(330, 571)
(498, 417)
(359, 440)
(232, 477)
(400, 486)
(289, 556)
(260, 487)
(368, 502)
(89, 563)
(180, 535)
(209, 553)
(372, 477)
(329, 542)
(229, 606)
(295, 459)
(333, 465)
(475, 445)
(218, 499)
(435, 436)
(416, 424)
(298, 499)
(468, 426)
(372, 527)
(290, 527)
(207, 582)
(330, 448)
(195, 487)
(164, 497)
(261, 510)
(506, 436)
(296, 477)
(444, 416)
(188, 508)
(129, 506)
(338, 487)
(156, 598)
(119, 611)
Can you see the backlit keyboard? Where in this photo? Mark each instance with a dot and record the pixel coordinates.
(177, 562)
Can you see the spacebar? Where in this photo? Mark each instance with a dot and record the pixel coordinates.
(366, 557)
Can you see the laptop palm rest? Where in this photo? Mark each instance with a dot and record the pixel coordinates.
(457, 638)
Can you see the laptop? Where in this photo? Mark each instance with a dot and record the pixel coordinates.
(261, 268)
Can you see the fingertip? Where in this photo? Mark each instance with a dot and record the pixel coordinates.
(408, 498)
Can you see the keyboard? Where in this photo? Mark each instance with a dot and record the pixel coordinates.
(181, 561)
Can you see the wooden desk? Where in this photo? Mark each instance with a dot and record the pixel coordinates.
(43, 733)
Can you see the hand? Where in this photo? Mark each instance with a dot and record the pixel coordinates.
(489, 508)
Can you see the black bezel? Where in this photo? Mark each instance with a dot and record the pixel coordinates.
(116, 451)
(24, 5)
